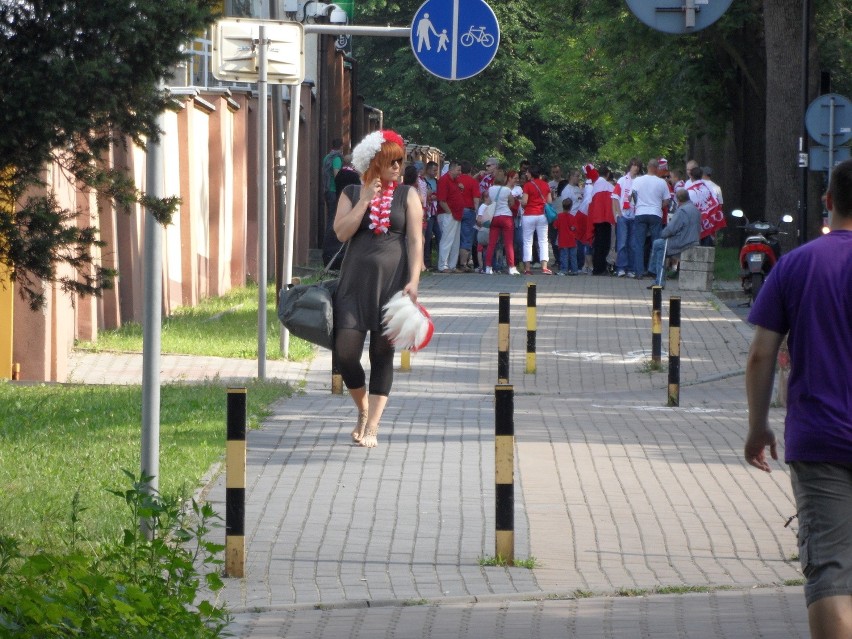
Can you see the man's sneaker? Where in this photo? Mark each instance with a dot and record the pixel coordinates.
(513, 271)
(561, 273)
(489, 270)
(621, 274)
(631, 275)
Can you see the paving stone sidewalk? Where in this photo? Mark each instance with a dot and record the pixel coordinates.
(615, 493)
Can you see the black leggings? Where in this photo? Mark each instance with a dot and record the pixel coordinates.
(348, 346)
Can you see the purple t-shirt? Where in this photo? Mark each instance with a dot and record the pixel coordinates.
(809, 294)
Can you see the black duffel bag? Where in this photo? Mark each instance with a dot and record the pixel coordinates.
(307, 311)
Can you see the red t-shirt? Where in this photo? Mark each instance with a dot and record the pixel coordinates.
(470, 190)
(449, 192)
(566, 226)
(537, 196)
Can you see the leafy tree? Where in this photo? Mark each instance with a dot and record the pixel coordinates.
(77, 78)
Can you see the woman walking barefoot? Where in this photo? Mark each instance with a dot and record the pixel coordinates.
(382, 219)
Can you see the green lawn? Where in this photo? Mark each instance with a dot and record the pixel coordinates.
(56, 440)
(223, 326)
(727, 267)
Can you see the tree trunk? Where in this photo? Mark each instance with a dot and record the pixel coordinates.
(782, 23)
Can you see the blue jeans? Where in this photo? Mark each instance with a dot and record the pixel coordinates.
(656, 261)
(643, 226)
(624, 259)
(432, 228)
(568, 259)
(467, 233)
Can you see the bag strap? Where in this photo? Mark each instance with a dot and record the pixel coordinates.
(540, 194)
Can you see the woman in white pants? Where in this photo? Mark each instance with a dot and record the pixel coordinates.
(536, 195)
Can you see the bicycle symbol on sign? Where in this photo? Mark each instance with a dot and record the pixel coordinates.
(477, 35)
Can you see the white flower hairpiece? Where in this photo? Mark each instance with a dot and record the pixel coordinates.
(367, 148)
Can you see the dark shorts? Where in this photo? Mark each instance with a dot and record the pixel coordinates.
(823, 495)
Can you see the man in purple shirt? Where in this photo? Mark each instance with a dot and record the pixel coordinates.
(808, 297)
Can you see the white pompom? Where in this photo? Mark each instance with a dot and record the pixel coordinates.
(406, 325)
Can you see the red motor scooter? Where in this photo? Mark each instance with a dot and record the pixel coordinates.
(759, 252)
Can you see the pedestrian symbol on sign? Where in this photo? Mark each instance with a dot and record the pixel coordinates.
(424, 27)
(454, 39)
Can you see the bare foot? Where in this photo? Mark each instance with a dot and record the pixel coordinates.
(358, 433)
(368, 440)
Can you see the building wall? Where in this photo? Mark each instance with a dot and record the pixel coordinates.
(210, 163)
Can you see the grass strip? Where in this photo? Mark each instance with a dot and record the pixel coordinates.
(58, 439)
(224, 326)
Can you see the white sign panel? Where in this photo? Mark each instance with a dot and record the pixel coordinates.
(235, 50)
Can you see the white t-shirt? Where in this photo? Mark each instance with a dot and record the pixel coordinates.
(651, 193)
(576, 195)
(587, 197)
(500, 196)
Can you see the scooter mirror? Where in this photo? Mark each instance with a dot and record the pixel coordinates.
(787, 218)
(737, 213)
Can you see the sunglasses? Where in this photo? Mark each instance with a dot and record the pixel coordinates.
(398, 161)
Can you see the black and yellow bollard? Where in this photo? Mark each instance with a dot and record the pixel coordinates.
(405, 361)
(336, 377)
(531, 328)
(503, 339)
(657, 325)
(674, 351)
(235, 484)
(504, 471)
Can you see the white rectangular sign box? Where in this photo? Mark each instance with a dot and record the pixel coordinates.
(235, 54)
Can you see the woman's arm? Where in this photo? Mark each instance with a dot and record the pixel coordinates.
(414, 238)
(349, 215)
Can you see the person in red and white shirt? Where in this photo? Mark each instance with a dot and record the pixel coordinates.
(622, 208)
(702, 196)
(536, 193)
(601, 219)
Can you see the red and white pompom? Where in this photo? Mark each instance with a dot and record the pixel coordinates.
(407, 324)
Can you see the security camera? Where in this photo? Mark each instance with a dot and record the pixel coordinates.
(338, 16)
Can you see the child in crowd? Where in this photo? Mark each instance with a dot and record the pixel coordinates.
(480, 238)
(566, 228)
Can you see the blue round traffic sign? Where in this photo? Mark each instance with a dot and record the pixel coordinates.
(454, 39)
(678, 16)
(826, 110)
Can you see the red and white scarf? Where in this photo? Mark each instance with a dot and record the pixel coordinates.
(380, 210)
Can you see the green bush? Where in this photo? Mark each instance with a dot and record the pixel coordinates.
(143, 586)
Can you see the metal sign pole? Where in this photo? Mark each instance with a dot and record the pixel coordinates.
(151, 322)
(292, 155)
(262, 189)
(830, 136)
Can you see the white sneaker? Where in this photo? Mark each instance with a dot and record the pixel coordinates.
(631, 275)
(513, 271)
(621, 274)
(489, 270)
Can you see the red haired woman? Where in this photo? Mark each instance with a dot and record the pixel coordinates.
(383, 221)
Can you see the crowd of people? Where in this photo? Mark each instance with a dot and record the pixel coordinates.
(497, 219)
